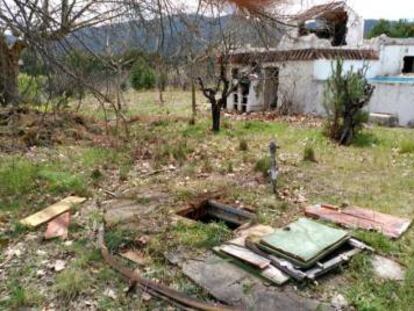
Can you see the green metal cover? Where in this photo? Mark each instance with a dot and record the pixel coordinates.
(304, 241)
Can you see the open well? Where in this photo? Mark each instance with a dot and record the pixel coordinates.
(212, 211)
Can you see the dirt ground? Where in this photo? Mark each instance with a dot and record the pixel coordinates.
(136, 185)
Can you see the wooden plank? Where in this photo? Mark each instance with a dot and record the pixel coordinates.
(353, 217)
(52, 211)
(246, 256)
(270, 273)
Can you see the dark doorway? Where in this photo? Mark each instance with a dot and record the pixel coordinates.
(408, 64)
(271, 87)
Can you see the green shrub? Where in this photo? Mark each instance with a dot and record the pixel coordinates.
(263, 166)
(243, 146)
(142, 76)
(346, 94)
(309, 154)
(31, 88)
(17, 176)
(407, 146)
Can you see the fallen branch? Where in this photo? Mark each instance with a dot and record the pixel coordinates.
(153, 288)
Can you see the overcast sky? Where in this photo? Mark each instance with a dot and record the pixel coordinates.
(376, 9)
(388, 9)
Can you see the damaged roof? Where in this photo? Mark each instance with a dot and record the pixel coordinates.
(303, 55)
(331, 11)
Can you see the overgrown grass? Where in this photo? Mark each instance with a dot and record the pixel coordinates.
(70, 283)
(407, 146)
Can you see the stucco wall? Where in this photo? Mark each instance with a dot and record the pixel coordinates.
(296, 85)
(392, 59)
(396, 99)
(322, 69)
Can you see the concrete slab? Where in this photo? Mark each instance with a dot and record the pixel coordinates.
(236, 287)
(387, 269)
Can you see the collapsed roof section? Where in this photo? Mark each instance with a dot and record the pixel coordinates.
(334, 21)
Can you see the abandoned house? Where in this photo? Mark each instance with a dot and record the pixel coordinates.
(293, 75)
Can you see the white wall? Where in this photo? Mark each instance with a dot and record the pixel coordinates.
(392, 59)
(296, 85)
(396, 99)
(322, 69)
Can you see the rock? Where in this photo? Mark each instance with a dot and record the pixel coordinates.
(387, 269)
(110, 293)
(339, 302)
(59, 265)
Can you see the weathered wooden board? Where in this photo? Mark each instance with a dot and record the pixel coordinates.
(236, 287)
(52, 211)
(353, 217)
(270, 273)
(58, 227)
(245, 255)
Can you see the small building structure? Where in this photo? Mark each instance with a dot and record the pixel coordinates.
(292, 77)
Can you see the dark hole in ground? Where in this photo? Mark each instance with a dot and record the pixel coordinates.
(212, 211)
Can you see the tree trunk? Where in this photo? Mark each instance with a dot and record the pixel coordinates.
(9, 71)
(216, 113)
(193, 102)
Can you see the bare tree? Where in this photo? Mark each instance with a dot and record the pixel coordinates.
(27, 24)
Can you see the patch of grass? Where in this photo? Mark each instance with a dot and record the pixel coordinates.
(118, 238)
(17, 176)
(61, 182)
(365, 139)
(201, 235)
(243, 146)
(406, 146)
(309, 154)
(377, 240)
(21, 296)
(177, 151)
(263, 166)
(71, 283)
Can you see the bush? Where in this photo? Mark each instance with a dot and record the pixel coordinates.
(243, 146)
(263, 166)
(31, 88)
(142, 76)
(309, 154)
(407, 146)
(346, 94)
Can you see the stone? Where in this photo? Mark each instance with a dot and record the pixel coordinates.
(339, 302)
(387, 269)
(236, 287)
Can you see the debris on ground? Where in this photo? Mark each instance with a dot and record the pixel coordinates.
(303, 250)
(59, 265)
(52, 211)
(135, 256)
(22, 128)
(339, 303)
(155, 289)
(354, 217)
(387, 269)
(229, 283)
(58, 227)
(303, 242)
